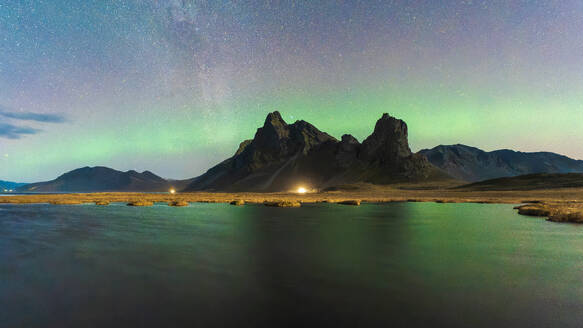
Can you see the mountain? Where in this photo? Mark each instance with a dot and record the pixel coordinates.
(473, 164)
(99, 179)
(528, 182)
(7, 185)
(283, 156)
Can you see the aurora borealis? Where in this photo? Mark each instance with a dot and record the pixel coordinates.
(173, 86)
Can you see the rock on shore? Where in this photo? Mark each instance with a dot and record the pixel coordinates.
(283, 203)
(354, 202)
(65, 202)
(554, 212)
(178, 203)
(534, 210)
(141, 203)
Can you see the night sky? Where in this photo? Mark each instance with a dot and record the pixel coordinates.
(173, 86)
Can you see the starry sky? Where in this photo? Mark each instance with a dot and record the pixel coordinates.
(173, 86)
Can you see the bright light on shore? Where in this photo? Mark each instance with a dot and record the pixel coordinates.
(172, 191)
(302, 190)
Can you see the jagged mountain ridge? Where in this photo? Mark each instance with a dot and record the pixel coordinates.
(282, 156)
(473, 164)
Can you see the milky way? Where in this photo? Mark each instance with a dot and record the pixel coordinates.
(173, 86)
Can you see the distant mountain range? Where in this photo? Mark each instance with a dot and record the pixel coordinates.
(528, 182)
(283, 156)
(101, 179)
(472, 164)
(8, 185)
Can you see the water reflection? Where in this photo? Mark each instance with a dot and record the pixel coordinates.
(206, 265)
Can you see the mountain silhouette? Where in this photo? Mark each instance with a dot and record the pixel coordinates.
(472, 164)
(100, 179)
(282, 156)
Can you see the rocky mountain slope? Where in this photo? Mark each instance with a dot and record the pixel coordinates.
(473, 164)
(283, 156)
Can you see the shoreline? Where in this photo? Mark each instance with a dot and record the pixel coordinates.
(559, 205)
(384, 195)
(367, 192)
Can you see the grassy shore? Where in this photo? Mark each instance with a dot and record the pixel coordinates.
(377, 194)
(561, 205)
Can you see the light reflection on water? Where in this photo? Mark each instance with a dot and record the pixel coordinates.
(403, 264)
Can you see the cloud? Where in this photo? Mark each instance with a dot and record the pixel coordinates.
(15, 132)
(29, 116)
(12, 131)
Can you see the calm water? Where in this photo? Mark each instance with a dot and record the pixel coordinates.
(402, 264)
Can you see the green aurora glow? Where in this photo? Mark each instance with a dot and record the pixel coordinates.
(175, 93)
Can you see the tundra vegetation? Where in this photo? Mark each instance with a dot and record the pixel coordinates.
(559, 205)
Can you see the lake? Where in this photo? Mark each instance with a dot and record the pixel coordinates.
(216, 265)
